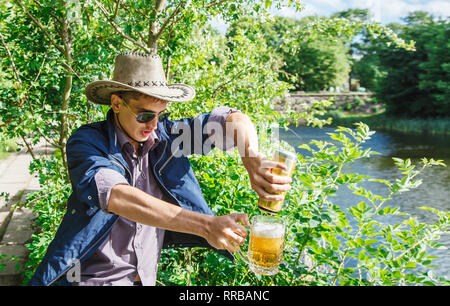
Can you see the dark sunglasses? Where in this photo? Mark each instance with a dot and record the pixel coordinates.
(145, 117)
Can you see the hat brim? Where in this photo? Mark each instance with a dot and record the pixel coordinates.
(100, 91)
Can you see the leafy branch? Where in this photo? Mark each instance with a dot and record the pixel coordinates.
(365, 214)
(117, 28)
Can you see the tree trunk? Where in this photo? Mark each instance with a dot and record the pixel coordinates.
(67, 40)
(154, 34)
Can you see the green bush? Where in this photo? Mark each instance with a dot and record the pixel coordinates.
(320, 239)
(49, 203)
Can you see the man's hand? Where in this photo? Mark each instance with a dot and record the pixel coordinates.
(241, 128)
(261, 177)
(224, 232)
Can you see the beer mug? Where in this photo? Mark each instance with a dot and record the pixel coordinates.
(289, 159)
(265, 248)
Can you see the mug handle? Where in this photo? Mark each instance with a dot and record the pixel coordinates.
(242, 256)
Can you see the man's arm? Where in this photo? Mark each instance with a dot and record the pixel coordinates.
(220, 231)
(240, 127)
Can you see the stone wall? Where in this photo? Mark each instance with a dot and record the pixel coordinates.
(350, 101)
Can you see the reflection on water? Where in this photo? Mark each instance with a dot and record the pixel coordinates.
(433, 192)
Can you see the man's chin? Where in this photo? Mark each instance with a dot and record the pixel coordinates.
(142, 139)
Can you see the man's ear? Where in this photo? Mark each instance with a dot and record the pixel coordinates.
(115, 102)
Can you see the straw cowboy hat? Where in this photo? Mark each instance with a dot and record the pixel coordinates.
(142, 73)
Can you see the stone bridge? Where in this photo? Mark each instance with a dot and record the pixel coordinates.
(355, 101)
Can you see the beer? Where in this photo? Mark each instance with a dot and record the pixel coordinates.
(265, 250)
(289, 159)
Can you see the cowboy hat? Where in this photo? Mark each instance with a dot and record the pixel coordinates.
(142, 73)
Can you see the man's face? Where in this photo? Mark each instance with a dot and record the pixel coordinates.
(129, 109)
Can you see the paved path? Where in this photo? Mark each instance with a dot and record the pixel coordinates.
(16, 224)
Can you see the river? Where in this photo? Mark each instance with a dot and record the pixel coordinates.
(433, 192)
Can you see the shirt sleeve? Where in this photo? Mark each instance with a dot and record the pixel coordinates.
(216, 127)
(106, 179)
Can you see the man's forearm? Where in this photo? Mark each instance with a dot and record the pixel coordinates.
(267, 185)
(139, 206)
(241, 129)
(222, 232)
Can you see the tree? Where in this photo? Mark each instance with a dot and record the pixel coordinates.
(307, 64)
(435, 78)
(357, 15)
(313, 45)
(415, 83)
(53, 49)
(418, 17)
(320, 64)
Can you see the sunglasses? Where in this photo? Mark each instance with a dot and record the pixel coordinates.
(145, 117)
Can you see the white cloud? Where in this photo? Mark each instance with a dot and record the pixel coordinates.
(327, 4)
(384, 11)
(439, 8)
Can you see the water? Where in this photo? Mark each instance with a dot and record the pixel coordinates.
(433, 192)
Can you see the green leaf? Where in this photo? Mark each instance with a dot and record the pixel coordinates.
(370, 241)
(387, 183)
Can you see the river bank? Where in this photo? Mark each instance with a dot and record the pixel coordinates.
(351, 107)
(383, 122)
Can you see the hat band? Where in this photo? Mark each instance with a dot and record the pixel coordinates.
(146, 83)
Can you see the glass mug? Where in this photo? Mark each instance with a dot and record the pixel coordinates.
(289, 159)
(265, 247)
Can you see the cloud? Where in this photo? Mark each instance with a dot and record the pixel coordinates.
(384, 11)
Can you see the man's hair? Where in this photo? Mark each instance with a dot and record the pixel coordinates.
(127, 95)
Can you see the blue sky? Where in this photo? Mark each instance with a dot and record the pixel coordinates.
(383, 11)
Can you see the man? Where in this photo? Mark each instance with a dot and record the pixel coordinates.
(134, 191)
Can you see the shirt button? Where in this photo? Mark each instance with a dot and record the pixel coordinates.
(89, 198)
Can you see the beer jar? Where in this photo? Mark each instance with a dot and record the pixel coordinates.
(289, 159)
(266, 243)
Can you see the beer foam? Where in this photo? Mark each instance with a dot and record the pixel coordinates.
(268, 230)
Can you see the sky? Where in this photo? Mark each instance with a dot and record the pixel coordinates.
(383, 11)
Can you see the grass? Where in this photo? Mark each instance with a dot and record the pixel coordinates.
(381, 121)
(353, 93)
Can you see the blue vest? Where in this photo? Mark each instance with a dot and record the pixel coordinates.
(85, 226)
